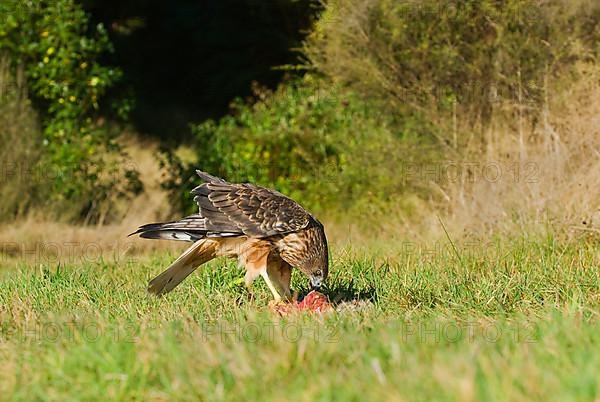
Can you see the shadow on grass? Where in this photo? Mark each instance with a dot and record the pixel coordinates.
(340, 293)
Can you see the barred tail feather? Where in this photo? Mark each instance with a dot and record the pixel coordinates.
(191, 228)
(171, 235)
(199, 253)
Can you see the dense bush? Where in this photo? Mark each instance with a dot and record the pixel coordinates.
(401, 83)
(387, 85)
(59, 53)
(311, 141)
(472, 58)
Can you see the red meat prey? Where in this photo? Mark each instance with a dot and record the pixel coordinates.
(314, 302)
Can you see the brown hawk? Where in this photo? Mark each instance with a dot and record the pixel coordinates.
(268, 232)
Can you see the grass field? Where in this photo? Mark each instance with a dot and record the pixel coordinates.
(517, 321)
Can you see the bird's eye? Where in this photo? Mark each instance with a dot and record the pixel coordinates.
(318, 272)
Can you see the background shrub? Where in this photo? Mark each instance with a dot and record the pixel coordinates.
(58, 54)
(464, 60)
(325, 147)
(397, 84)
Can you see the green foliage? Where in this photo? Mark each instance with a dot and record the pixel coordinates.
(60, 54)
(309, 140)
(399, 84)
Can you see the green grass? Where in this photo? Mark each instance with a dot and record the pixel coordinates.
(517, 324)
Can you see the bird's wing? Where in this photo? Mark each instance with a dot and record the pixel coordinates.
(255, 211)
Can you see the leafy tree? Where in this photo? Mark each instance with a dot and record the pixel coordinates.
(53, 42)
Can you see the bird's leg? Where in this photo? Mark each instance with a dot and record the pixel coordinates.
(271, 286)
(278, 276)
(260, 259)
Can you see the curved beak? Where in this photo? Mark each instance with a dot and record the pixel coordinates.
(316, 282)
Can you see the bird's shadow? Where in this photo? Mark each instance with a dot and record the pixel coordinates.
(345, 293)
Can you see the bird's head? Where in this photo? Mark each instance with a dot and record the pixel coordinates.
(316, 269)
(307, 251)
(317, 277)
(317, 266)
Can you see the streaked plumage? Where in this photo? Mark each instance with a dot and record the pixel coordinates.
(268, 232)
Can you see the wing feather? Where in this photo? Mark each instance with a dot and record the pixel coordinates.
(246, 208)
(227, 209)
